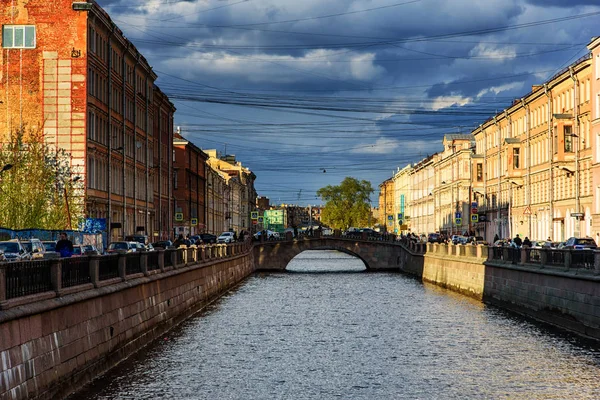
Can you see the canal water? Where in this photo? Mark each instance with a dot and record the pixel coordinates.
(328, 330)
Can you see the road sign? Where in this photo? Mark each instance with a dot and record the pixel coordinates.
(458, 215)
(254, 222)
(254, 214)
(261, 220)
(179, 216)
(400, 216)
(576, 215)
(527, 211)
(474, 204)
(400, 222)
(474, 210)
(474, 217)
(390, 217)
(194, 221)
(458, 221)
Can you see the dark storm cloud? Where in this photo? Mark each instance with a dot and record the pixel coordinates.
(428, 68)
(563, 3)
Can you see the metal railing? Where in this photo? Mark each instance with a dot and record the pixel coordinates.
(152, 261)
(75, 271)
(533, 256)
(168, 257)
(24, 278)
(179, 256)
(133, 263)
(108, 267)
(555, 257)
(582, 259)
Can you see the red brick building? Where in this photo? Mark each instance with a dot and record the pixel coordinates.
(189, 187)
(67, 69)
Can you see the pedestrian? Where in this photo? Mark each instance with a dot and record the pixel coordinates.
(180, 241)
(527, 242)
(517, 241)
(64, 246)
(242, 236)
(496, 238)
(234, 236)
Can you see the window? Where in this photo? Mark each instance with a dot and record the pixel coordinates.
(479, 172)
(18, 36)
(516, 161)
(568, 139)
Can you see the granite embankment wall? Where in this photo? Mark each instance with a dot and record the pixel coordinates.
(548, 286)
(53, 346)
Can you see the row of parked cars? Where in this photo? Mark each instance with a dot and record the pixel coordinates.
(31, 249)
(574, 243)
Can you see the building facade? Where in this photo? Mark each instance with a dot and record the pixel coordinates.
(69, 72)
(189, 187)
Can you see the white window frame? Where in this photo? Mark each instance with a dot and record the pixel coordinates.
(24, 28)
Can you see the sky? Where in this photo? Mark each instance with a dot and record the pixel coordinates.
(305, 93)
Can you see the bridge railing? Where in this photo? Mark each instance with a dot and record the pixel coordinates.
(30, 281)
(584, 261)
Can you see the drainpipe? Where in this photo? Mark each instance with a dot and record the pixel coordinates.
(147, 130)
(109, 160)
(510, 185)
(528, 192)
(485, 201)
(124, 110)
(551, 161)
(499, 181)
(135, 144)
(575, 134)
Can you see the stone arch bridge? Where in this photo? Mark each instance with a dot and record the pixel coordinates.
(377, 255)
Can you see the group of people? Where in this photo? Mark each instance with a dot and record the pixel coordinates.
(515, 242)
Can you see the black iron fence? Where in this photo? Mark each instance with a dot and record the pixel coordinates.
(75, 271)
(153, 261)
(533, 256)
(24, 278)
(108, 267)
(168, 257)
(179, 253)
(555, 257)
(582, 259)
(133, 263)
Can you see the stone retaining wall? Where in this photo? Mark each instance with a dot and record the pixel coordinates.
(54, 346)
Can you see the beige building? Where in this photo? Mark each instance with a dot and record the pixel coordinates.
(402, 199)
(422, 181)
(452, 190)
(386, 204)
(533, 161)
(594, 137)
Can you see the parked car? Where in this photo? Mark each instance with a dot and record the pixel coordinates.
(137, 246)
(143, 239)
(14, 251)
(90, 250)
(434, 238)
(120, 247)
(34, 247)
(208, 238)
(49, 245)
(225, 237)
(270, 235)
(586, 243)
(162, 244)
(78, 250)
(456, 239)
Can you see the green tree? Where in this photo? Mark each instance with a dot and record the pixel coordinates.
(35, 191)
(347, 204)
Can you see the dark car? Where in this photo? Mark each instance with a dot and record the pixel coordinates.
(162, 244)
(208, 238)
(586, 243)
(434, 238)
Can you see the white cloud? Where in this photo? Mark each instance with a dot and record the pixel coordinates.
(381, 146)
(449, 101)
(499, 89)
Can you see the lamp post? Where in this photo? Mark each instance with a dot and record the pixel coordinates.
(75, 179)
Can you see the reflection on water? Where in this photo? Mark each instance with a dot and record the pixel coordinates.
(354, 336)
(325, 261)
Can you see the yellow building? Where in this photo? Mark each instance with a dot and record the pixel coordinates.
(594, 118)
(532, 167)
(402, 197)
(452, 186)
(386, 204)
(422, 180)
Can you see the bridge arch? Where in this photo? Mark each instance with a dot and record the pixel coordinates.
(376, 255)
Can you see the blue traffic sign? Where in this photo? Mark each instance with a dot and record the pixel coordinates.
(458, 215)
